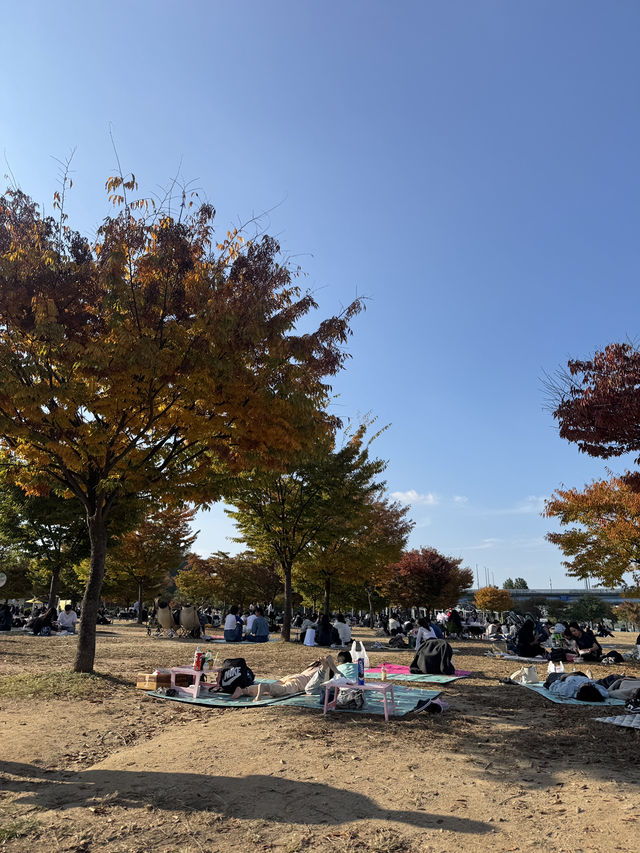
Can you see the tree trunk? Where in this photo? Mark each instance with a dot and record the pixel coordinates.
(327, 596)
(288, 591)
(139, 602)
(86, 653)
(53, 587)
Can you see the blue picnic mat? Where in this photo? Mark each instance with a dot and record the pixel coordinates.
(542, 691)
(222, 700)
(406, 699)
(418, 676)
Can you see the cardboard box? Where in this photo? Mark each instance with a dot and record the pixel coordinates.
(153, 680)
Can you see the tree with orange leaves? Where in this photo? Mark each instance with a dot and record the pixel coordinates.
(602, 539)
(151, 360)
(492, 598)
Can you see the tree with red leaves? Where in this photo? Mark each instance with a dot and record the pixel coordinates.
(597, 403)
(426, 578)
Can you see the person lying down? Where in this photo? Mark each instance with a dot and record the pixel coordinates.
(320, 670)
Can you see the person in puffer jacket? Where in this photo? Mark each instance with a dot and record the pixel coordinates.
(575, 685)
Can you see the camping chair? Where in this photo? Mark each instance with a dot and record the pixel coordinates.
(189, 622)
(166, 623)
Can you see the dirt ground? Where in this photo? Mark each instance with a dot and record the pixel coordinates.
(103, 767)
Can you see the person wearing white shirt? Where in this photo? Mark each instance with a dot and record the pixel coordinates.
(343, 629)
(68, 619)
(425, 632)
(251, 618)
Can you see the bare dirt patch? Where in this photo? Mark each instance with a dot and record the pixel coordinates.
(92, 763)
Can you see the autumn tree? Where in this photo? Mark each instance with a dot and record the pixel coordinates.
(492, 598)
(602, 539)
(151, 359)
(426, 578)
(141, 559)
(597, 402)
(628, 612)
(324, 499)
(226, 580)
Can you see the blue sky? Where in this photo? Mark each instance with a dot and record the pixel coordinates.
(470, 167)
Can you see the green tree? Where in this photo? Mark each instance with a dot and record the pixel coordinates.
(321, 500)
(590, 608)
(356, 548)
(48, 531)
(151, 360)
(508, 584)
(520, 583)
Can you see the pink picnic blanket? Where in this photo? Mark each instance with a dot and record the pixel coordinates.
(397, 669)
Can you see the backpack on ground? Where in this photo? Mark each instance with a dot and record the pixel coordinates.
(235, 673)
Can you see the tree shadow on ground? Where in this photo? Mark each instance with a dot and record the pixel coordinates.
(246, 798)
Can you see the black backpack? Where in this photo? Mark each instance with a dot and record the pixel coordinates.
(235, 673)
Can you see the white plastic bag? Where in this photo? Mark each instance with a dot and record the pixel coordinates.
(555, 666)
(356, 653)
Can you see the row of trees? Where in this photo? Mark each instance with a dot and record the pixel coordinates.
(157, 368)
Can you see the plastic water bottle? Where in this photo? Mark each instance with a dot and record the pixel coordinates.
(197, 659)
(383, 672)
(360, 671)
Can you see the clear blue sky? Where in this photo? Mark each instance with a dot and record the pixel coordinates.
(471, 167)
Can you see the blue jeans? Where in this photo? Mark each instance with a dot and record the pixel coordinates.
(234, 636)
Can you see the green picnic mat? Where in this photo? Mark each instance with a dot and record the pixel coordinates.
(419, 676)
(542, 691)
(222, 700)
(406, 699)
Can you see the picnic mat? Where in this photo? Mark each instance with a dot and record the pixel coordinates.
(222, 700)
(403, 673)
(538, 688)
(406, 699)
(629, 721)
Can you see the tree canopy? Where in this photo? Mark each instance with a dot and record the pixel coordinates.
(426, 578)
(597, 403)
(151, 359)
(603, 536)
(492, 598)
(325, 498)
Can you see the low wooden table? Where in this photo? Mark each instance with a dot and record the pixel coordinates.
(384, 687)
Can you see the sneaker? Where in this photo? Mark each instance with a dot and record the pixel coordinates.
(422, 705)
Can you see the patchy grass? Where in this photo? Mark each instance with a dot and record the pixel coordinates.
(69, 685)
(18, 829)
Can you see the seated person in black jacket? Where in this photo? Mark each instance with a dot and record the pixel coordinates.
(586, 644)
(326, 634)
(527, 644)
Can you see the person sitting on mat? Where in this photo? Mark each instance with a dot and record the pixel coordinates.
(586, 644)
(527, 645)
(289, 684)
(259, 630)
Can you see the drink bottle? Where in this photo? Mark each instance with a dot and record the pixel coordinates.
(360, 671)
(197, 659)
(383, 672)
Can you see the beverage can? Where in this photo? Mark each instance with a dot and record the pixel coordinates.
(360, 671)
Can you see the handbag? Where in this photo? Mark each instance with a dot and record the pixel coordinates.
(350, 698)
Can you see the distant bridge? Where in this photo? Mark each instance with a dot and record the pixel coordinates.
(613, 596)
